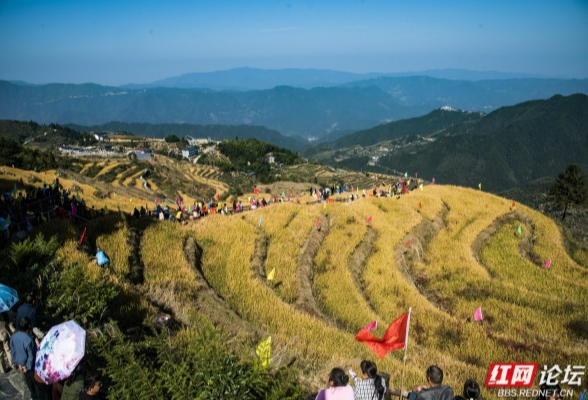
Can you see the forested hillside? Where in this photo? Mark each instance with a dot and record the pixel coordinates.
(430, 124)
(42, 135)
(509, 147)
(252, 156)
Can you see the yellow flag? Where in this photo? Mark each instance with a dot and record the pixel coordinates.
(480, 186)
(270, 276)
(263, 351)
(324, 204)
(421, 186)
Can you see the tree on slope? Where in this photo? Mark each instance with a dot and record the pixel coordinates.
(570, 188)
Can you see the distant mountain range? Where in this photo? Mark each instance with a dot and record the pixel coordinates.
(244, 79)
(338, 105)
(510, 147)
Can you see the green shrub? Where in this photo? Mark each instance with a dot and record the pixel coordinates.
(193, 364)
(128, 370)
(75, 294)
(27, 266)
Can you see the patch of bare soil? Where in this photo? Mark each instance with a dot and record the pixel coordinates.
(296, 188)
(306, 299)
(260, 255)
(135, 262)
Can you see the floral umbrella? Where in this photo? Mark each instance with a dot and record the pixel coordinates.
(8, 297)
(60, 351)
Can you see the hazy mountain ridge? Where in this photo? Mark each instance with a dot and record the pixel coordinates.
(292, 111)
(509, 147)
(482, 95)
(243, 79)
(315, 112)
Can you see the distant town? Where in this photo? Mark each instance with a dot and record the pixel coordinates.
(106, 147)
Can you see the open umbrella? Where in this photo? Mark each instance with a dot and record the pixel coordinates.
(60, 351)
(8, 297)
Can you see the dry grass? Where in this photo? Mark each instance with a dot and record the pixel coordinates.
(169, 278)
(463, 253)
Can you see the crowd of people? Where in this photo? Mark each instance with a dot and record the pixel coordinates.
(20, 337)
(373, 386)
(23, 208)
(184, 213)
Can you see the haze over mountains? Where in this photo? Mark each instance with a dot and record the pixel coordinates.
(504, 132)
(339, 104)
(510, 147)
(243, 79)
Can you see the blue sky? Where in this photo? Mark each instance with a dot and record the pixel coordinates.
(117, 42)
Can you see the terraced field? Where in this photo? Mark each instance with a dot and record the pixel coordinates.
(117, 183)
(444, 251)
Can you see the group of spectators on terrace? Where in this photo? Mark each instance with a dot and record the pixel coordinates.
(351, 192)
(370, 385)
(24, 208)
(183, 212)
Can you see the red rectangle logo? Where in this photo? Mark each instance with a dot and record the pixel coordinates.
(511, 374)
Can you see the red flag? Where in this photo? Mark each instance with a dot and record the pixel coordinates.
(318, 223)
(420, 204)
(83, 237)
(367, 221)
(394, 338)
(407, 243)
(513, 204)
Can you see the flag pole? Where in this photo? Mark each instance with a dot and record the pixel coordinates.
(405, 347)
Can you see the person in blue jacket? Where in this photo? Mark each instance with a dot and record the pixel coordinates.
(101, 258)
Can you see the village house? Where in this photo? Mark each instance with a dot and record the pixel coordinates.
(190, 152)
(142, 153)
(197, 141)
(100, 136)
